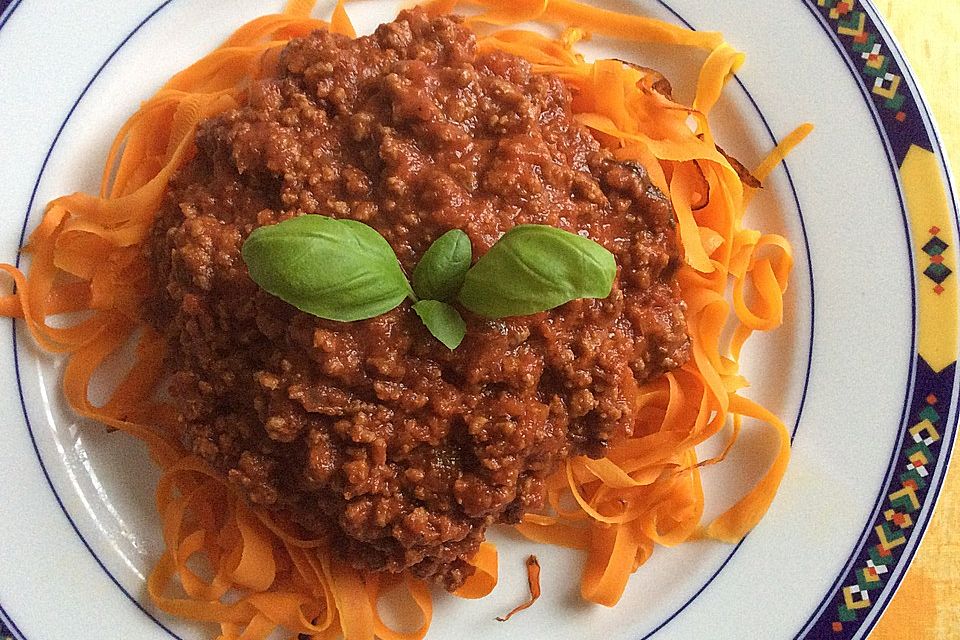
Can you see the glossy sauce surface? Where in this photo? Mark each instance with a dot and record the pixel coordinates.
(373, 432)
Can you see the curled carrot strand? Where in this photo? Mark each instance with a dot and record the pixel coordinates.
(533, 582)
(647, 490)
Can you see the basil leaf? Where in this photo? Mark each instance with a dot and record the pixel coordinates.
(440, 272)
(443, 321)
(334, 269)
(533, 268)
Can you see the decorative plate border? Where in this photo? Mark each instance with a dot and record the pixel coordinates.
(880, 560)
(8, 628)
(4, 5)
(7, 8)
(6, 624)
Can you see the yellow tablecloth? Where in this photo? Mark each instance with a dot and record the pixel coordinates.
(927, 605)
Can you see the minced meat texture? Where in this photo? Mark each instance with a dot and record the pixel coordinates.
(374, 434)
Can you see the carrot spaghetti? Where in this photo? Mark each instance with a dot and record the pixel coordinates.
(86, 255)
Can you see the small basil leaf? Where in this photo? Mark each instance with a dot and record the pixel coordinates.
(534, 268)
(440, 272)
(335, 269)
(443, 321)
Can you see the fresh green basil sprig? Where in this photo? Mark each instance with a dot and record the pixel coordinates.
(334, 269)
(344, 270)
(440, 272)
(443, 320)
(533, 268)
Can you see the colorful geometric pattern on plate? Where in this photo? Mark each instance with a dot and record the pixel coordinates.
(881, 559)
(921, 452)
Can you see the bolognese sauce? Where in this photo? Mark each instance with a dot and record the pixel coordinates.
(372, 433)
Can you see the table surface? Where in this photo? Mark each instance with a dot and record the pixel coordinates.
(927, 605)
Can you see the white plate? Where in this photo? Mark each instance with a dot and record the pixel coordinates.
(864, 370)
